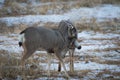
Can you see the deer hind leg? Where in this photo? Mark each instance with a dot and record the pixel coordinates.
(26, 56)
(63, 65)
(49, 64)
(27, 53)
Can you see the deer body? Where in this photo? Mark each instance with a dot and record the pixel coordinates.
(40, 37)
(56, 41)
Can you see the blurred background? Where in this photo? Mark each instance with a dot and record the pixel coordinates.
(50, 12)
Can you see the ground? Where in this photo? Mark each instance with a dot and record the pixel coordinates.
(98, 32)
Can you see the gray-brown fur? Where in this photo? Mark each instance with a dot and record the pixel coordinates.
(57, 41)
(71, 41)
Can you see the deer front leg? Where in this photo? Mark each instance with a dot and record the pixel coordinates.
(63, 65)
(71, 52)
(49, 64)
(59, 67)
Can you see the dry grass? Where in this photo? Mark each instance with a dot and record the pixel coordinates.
(5, 63)
(13, 8)
(102, 61)
(56, 7)
(105, 49)
(108, 72)
(51, 25)
(110, 62)
(16, 28)
(103, 27)
(80, 73)
(10, 67)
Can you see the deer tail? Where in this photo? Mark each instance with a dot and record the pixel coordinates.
(21, 38)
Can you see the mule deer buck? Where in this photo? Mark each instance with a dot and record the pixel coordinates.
(56, 41)
(73, 44)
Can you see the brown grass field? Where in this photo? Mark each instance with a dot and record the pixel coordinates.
(107, 58)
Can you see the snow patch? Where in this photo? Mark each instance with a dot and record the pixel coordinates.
(93, 66)
(101, 13)
(91, 34)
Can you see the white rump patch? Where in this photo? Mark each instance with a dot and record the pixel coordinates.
(22, 38)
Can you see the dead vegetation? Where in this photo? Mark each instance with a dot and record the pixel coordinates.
(13, 8)
(10, 63)
(102, 27)
(108, 75)
(10, 69)
(16, 28)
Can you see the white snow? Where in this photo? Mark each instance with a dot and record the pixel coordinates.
(1, 3)
(101, 13)
(94, 66)
(30, 19)
(88, 36)
(10, 44)
(91, 34)
(100, 47)
(81, 65)
(11, 48)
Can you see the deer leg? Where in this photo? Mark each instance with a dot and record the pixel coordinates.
(49, 64)
(27, 53)
(25, 56)
(24, 52)
(71, 52)
(59, 67)
(63, 65)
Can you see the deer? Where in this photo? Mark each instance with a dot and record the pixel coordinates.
(74, 44)
(54, 41)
